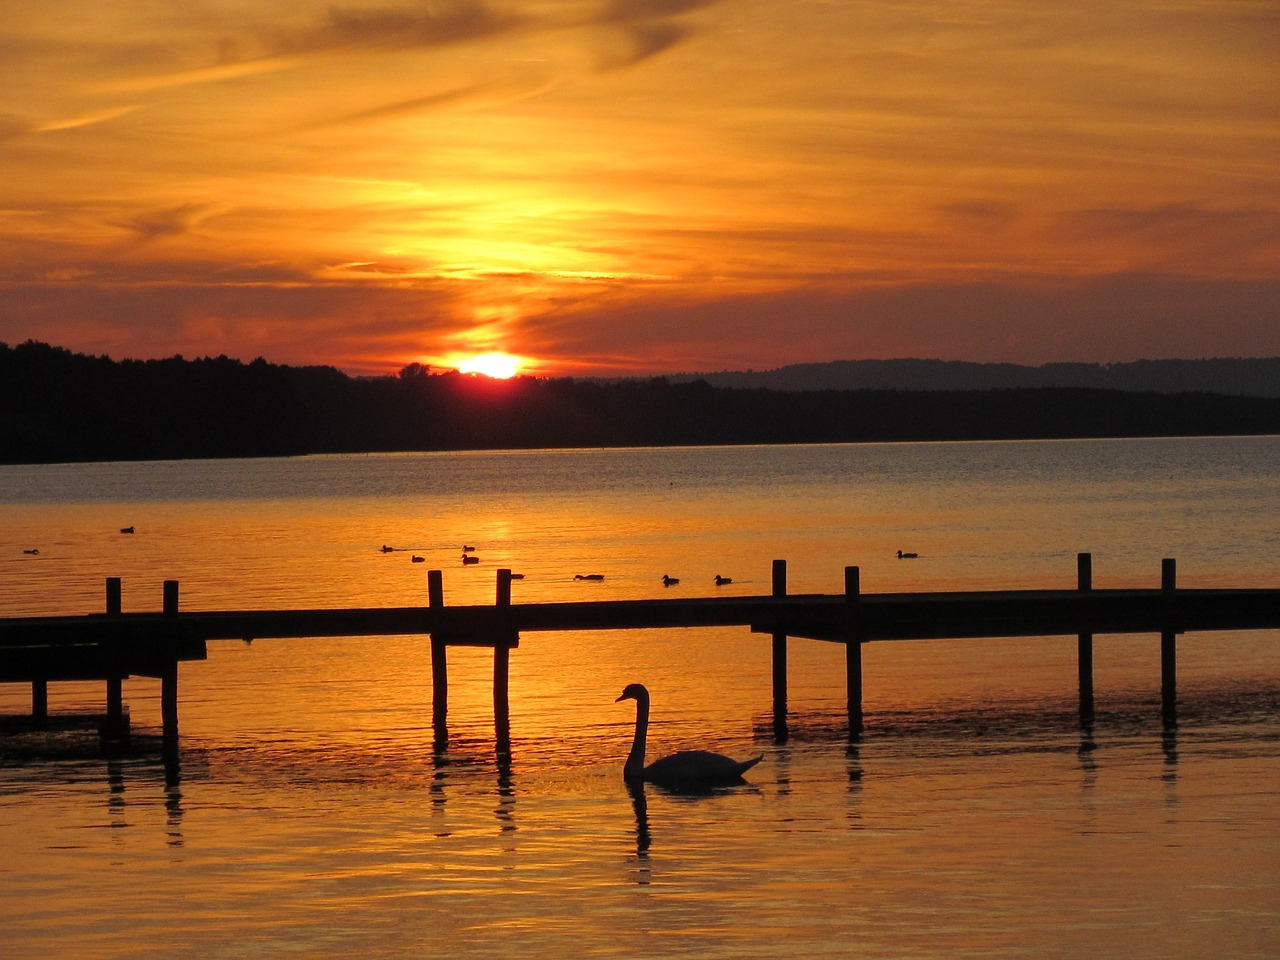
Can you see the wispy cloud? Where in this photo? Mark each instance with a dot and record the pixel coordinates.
(84, 120)
(175, 221)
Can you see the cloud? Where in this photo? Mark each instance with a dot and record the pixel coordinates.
(487, 93)
(627, 11)
(172, 222)
(340, 31)
(413, 25)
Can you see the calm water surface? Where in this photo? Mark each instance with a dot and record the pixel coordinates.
(311, 816)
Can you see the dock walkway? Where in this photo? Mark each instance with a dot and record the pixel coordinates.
(114, 645)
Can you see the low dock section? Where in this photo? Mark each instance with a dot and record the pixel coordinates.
(115, 645)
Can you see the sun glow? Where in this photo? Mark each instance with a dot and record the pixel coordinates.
(500, 366)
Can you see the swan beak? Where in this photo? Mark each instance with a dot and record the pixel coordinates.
(621, 698)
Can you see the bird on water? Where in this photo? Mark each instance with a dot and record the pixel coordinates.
(669, 580)
(907, 556)
(688, 769)
(721, 581)
(588, 576)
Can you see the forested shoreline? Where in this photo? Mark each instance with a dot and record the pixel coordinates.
(59, 406)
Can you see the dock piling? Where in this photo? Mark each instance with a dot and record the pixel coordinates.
(1169, 643)
(169, 677)
(115, 728)
(439, 663)
(853, 651)
(39, 702)
(502, 669)
(1084, 642)
(780, 660)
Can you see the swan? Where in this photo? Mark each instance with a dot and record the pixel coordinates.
(907, 556)
(668, 581)
(688, 768)
(720, 581)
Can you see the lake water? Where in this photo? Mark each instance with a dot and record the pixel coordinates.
(310, 815)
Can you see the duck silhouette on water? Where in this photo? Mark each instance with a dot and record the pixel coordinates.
(685, 770)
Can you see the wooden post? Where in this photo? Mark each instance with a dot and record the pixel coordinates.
(169, 677)
(853, 652)
(780, 659)
(1169, 644)
(502, 668)
(115, 728)
(39, 702)
(1084, 643)
(439, 662)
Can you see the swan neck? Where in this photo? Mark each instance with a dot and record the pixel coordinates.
(634, 767)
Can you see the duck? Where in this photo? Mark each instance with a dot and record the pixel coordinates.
(688, 769)
(721, 581)
(32, 552)
(386, 549)
(417, 559)
(126, 529)
(588, 576)
(468, 558)
(907, 556)
(467, 548)
(668, 581)
(517, 576)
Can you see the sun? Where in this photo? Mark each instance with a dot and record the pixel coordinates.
(500, 366)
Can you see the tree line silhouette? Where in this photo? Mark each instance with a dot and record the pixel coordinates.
(59, 406)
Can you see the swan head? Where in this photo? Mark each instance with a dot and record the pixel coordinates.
(634, 691)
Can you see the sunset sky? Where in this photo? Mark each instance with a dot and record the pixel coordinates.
(640, 186)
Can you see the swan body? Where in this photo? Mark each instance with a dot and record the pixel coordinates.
(688, 769)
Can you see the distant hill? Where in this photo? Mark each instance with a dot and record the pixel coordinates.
(1239, 377)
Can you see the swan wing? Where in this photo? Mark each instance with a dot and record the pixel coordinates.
(697, 767)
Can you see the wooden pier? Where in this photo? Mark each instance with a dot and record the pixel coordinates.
(114, 645)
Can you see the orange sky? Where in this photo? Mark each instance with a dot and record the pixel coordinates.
(641, 185)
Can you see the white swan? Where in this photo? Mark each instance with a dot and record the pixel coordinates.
(696, 769)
